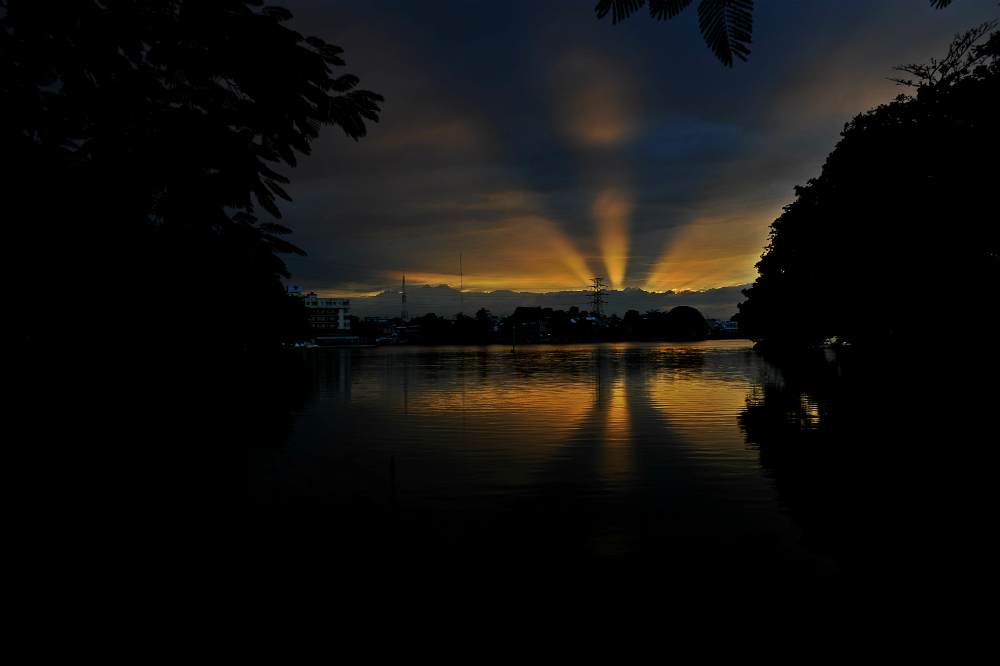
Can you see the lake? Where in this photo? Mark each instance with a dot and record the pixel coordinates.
(618, 456)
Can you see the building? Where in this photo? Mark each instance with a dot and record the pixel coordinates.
(326, 315)
(388, 327)
(731, 326)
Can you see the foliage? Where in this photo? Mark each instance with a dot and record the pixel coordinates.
(680, 323)
(900, 220)
(684, 323)
(965, 54)
(726, 25)
(538, 324)
(159, 121)
(363, 329)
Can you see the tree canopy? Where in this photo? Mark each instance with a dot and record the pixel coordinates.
(142, 137)
(902, 220)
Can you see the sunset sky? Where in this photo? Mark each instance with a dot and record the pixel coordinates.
(548, 147)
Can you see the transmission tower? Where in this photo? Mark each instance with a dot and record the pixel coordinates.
(405, 316)
(597, 297)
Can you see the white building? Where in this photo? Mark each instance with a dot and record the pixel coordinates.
(327, 314)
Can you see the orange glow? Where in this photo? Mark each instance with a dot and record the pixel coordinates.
(598, 119)
(558, 410)
(509, 242)
(543, 413)
(533, 251)
(611, 212)
(595, 99)
(616, 448)
(700, 409)
(711, 252)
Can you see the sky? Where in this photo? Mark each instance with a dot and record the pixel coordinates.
(526, 147)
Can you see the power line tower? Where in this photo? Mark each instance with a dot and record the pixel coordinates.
(405, 316)
(597, 297)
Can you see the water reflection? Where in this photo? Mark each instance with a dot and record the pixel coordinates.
(572, 454)
(857, 447)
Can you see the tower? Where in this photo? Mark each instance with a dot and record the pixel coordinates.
(597, 297)
(405, 316)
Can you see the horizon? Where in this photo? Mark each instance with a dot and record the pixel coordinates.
(446, 301)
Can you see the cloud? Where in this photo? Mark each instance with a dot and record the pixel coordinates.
(595, 99)
(457, 134)
(446, 301)
(549, 150)
(681, 139)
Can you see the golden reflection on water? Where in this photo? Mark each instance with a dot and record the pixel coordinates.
(624, 453)
(593, 414)
(551, 412)
(546, 398)
(616, 444)
(622, 447)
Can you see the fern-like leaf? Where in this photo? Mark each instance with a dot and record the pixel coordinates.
(245, 218)
(282, 246)
(661, 9)
(274, 187)
(279, 14)
(275, 229)
(726, 26)
(331, 54)
(620, 9)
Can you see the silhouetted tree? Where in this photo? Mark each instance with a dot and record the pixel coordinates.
(726, 25)
(482, 327)
(684, 323)
(901, 220)
(139, 140)
(633, 323)
(364, 329)
(138, 137)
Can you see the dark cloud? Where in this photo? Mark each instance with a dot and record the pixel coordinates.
(538, 142)
(446, 301)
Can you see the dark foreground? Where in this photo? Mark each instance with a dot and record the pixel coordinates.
(849, 478)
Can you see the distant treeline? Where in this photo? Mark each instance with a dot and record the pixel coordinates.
(537, 324)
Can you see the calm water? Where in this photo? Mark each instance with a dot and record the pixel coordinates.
(606, 454)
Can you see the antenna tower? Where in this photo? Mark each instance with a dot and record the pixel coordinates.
(405, 316)
(461, 283)
(597, 297)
